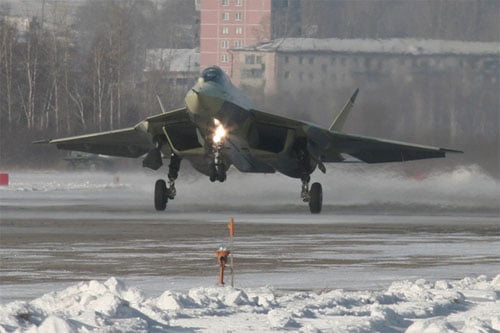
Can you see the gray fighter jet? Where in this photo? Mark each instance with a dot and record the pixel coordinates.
(219, 127)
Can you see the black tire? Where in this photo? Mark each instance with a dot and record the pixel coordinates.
(316, 198)
(212, 174)
(221, 173)
(161, 195)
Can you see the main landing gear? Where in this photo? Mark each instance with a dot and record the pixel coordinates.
(313, 196)
(163, 192)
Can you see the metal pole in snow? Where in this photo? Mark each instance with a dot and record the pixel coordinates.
(231, 235)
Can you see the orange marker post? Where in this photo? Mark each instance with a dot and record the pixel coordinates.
(222, 253)
(231, 227)
(231, 235)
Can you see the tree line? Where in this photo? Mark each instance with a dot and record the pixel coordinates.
(82, 72)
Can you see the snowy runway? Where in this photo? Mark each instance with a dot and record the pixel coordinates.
(344, 270)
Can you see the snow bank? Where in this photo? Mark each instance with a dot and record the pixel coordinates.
(468, 305)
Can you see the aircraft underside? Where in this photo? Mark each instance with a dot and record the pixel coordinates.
(233, 138)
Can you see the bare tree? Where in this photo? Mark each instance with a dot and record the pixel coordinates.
(7, 43)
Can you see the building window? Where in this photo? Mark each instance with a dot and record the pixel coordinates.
(225, 2)
(224, 44)
(252, 73)
(287, 59)
(224, 58)
(238, 2)
(225, 16)
(250, 59)
(225, 30)
(239, 16)
(258, 59)
(239, 30)
(238, 43)
(311, 60)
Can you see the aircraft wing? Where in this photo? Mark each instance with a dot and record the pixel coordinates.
(328, 145)
(128, 142)
(374, 150)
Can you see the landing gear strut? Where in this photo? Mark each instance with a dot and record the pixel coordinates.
(163, 192)
(217, 168)
(314, 196)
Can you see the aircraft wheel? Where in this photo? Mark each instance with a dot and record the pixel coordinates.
(212, 173)
(316, 198)
(161, 195)
(221, 173)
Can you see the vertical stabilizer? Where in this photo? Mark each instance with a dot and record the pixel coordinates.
(339, 122)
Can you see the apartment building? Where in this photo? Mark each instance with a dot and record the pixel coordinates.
(230, 24)
(293, 64)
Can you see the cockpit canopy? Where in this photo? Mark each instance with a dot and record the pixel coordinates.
(214, 74)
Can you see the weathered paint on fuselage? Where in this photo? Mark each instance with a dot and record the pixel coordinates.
(214, 96)
(207, 97)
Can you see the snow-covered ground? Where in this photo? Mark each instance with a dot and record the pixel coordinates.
(467, 305)
(389, 253)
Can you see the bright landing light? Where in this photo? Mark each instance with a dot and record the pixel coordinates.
(220, 131)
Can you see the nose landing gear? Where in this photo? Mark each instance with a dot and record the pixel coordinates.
(217, 168)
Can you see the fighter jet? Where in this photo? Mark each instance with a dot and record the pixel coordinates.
(219, 127)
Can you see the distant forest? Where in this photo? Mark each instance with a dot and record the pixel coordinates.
(77, 72)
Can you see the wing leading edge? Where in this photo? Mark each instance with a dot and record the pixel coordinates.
(128, 142)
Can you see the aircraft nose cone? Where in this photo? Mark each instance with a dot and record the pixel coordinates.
(192, 101)
(205, 97)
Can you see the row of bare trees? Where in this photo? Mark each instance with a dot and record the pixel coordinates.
(45, 86)
(82, 71)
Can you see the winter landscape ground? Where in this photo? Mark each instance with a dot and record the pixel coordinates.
(83, 252)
